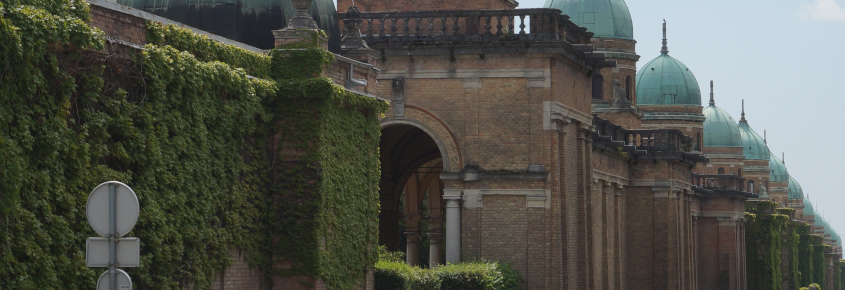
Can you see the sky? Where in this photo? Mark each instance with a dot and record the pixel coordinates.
(785, 58)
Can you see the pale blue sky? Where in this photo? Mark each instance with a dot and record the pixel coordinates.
(785, 58)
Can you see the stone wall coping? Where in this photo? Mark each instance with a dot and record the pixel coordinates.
(149, 16)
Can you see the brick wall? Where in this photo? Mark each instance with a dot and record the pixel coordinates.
(239, 275)
(119, 26)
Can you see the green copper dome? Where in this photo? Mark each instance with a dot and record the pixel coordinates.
(795, 190)
(720, 129)
(667, 81)
(753, 146)
(778, 173)
(604, 18)
(808, 208)
(822, 223)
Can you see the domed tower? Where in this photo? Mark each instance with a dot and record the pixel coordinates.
(247, 21)
(778, 180)
(809, 213)
(795, 197)
(614, 89)
(668, 95)
(722, 141)
(757, 155)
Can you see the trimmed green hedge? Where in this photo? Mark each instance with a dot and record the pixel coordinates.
(480, 275)
(398, 275)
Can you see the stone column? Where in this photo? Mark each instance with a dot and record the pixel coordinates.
(453, 227)
(435, 223)
(435, 248)
(412, 234)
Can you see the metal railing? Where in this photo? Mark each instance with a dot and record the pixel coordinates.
(720, 182)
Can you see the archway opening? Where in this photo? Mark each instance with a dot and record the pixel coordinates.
(411, 195)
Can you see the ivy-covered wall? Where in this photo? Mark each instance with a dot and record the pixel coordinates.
(789, 248)
(189, 124)
(784, 254)
(818, 259)
(805, 254)
(327, 165)
(763, 256)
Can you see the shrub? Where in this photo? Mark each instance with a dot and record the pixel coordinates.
(398, 275)
(482, 275)
(478, 275)
(388, 256)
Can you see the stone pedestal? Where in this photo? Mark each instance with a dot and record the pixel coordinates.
(352, 44)
(301, 27)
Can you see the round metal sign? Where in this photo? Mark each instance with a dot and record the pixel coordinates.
(126, 208)
(123, 281)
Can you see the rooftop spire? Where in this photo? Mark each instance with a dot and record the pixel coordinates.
(712, 101)
(665, 49)
(742, 117)
(764, 137)
(783, 157)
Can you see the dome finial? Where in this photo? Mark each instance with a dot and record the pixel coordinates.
(742, 117)
(764, 137)
(783, 157)
(665, 49)
(712, 101)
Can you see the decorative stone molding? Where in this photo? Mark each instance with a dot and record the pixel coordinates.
(435, 129)
(532, 74)
(534, 198)
(556, 111)
(667, 183)
(618, 180)
(665, 188)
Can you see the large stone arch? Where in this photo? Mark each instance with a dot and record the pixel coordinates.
(416, 147)
(435, 128)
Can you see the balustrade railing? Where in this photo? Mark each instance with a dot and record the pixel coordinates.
(719, 182)
(536, 24)
(606, 128)
(659, 140)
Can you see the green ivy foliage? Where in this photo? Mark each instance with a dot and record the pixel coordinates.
(818, 259)
(791, 241)
(45, 155)
(190, 136)
(188, 149)
(327, 167)
(805, 254)
(205, 49)
(763, 257)
(182, 145)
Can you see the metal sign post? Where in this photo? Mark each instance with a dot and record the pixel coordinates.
(112, 211)
(112, 234)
